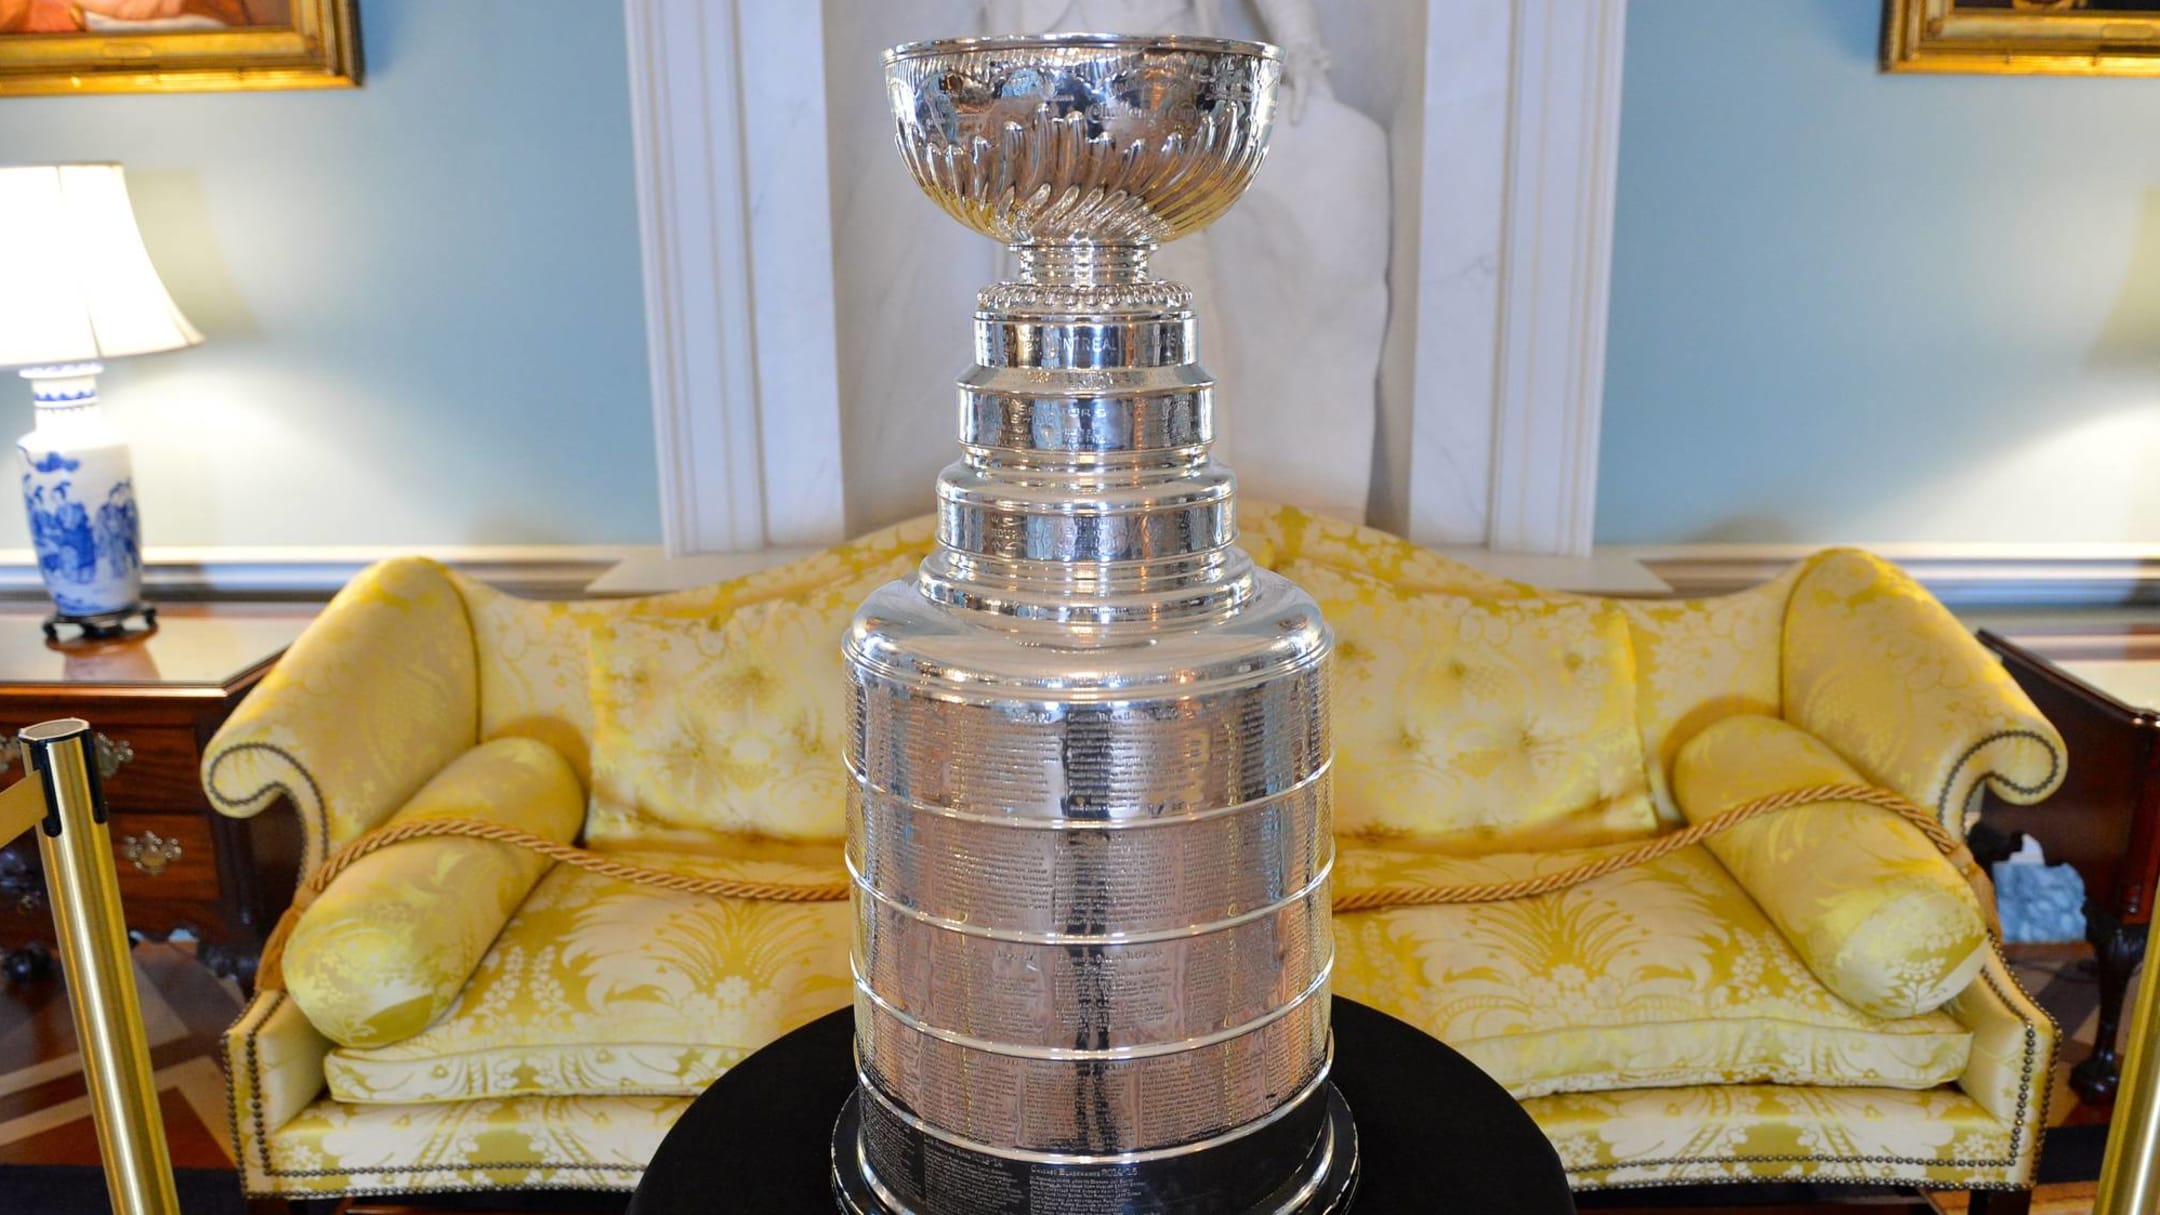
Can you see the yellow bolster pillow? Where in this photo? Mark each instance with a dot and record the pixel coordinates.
(1873, 909)
(393, 940)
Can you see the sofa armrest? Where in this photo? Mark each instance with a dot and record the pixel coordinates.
(274, 1070)
(376, 696)
(2012, 1059)
(1863, 896)
(1878, 669)
(393, 940)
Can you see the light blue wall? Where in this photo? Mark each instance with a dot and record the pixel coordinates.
(421, 298)
(1851, 306)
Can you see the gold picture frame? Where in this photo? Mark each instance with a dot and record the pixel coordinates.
(318, 47)
(2023, 37)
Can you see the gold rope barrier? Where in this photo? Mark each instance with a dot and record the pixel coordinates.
(62, 801)
(270, 974)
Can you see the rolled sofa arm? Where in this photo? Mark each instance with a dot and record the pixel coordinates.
(274, 1069)
(1876, 667)
(378, 694)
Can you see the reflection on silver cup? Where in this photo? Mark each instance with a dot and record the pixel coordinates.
(1090, 824)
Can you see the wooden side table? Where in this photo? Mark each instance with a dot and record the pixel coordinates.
(2103, 694)
(155, 700)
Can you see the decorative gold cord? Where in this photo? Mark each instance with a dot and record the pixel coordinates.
(1650, 850)
(270, 974)
(498, 833)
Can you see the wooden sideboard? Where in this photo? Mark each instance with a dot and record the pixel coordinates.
(154, 701)
(2101, 689)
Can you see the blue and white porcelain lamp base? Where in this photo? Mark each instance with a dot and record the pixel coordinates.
(79, 488)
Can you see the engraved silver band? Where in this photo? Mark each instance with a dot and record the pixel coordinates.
(1150, 592)
(1114, 760)
(1103, 1105)
(1107, 523)
(1318, 987)
(1179, 872)
(1085, 343)
(1122, 995)
(1142, 1156)
(1195, 663)
(863, 886)
(1171, 420)
(1313, 782)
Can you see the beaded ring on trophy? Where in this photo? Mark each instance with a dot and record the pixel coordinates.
(1089, 821)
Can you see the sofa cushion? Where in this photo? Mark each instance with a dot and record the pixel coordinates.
(599, 986)
(1277, 535)
(392, 941)
(1480, 723)
(1660, 975)
(1698, 661)
(1718, 1134)
(1877, 912)
(536, 656)
(720, 716)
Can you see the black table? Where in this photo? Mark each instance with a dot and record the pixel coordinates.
(1437, 1135)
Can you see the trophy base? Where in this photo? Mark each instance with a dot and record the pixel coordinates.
(930, 1177)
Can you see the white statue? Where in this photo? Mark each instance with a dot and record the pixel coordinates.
(1291, 285)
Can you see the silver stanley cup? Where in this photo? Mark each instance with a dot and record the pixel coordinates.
(1089, 826)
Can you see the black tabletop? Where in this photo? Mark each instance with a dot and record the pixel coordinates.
(1436, 1134)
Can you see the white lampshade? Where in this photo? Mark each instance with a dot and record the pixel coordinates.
(76, 284)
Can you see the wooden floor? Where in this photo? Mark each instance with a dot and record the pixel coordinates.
(44, 1112)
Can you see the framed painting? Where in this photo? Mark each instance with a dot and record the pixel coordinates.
(168, 46)
(2023, 37)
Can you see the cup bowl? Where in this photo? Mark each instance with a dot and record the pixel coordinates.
(1106, 139)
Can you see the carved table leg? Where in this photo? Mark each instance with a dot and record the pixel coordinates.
(2117, 950)
(234, 962)
(2000, 1202)
(29, 964)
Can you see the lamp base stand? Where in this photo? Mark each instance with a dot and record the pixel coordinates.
(103, 626)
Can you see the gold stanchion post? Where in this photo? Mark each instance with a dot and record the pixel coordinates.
(2129, 1180)
(62, 802)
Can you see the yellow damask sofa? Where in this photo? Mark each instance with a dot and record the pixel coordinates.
(1813, 996)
